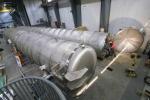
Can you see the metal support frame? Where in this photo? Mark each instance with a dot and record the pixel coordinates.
(22, 10)
(76, 12)
(105, 14)
(55, 5)
(46, 9)
(57, 13)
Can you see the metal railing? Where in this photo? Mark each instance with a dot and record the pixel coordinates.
(31, 88)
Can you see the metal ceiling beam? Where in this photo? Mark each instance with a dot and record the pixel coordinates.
(76, 12)
(105, 14)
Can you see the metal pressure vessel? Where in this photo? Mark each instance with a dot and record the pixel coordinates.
(67, 60)
(93, 39)
(130, 37)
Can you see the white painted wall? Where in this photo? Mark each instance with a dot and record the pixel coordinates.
(52, 15)
(34, 11)
(66, 14)
(126, 13)
(91, 15)
(67, 17)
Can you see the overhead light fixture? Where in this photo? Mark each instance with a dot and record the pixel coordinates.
(5, 8)
(49, 0)
(4, 5)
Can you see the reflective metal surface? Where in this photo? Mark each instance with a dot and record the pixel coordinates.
(94, 39)
(72, 57)
(131, 37)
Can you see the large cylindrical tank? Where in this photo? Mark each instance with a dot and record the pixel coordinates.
(130, 37)
(75, 62)
(93, 39)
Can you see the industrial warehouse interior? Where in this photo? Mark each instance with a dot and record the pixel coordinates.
(74, 50)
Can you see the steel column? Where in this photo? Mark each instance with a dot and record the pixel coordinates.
(56, 10)
(46, 9)
(105, 14)
(76, 12)
(48, 16)
(21, 8)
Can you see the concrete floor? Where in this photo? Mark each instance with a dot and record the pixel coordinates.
(115, 85)
(112, 85)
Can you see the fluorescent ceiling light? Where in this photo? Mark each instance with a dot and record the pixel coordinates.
(49, 0)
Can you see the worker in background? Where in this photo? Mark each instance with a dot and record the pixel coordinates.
(147, 63)
(112, 48)
(148, 54)
(110, 45)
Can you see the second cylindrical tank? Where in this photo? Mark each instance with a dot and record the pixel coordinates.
(94, 39)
